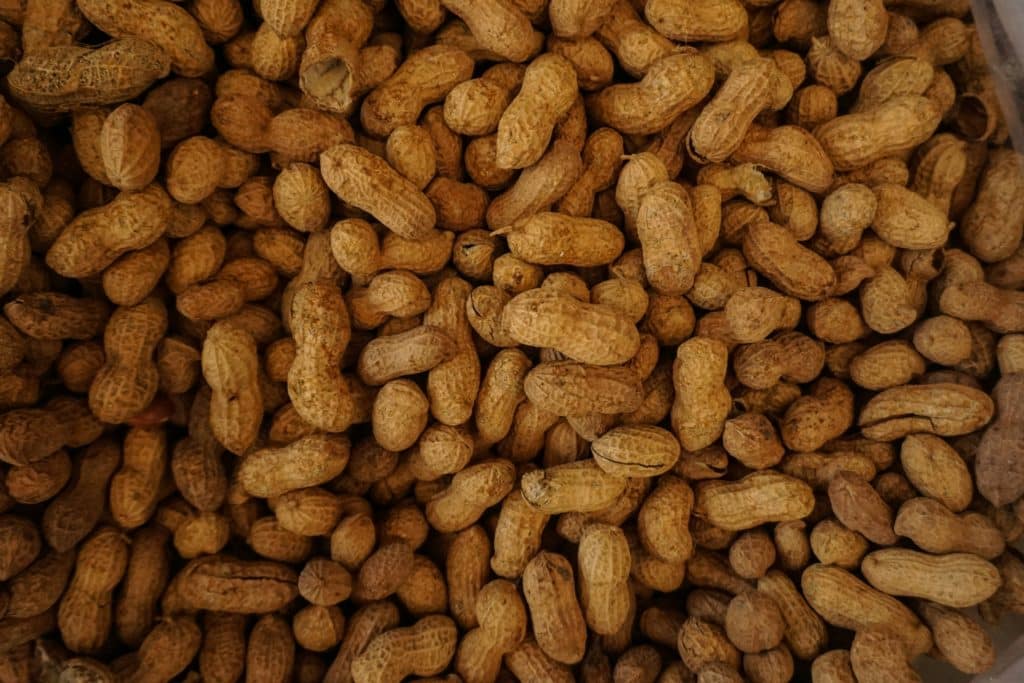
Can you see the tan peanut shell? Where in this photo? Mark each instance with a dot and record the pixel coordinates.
(502, 617)
(961, 640)
(642, 108)
(750, 88)
(312, 460)
(663, 520)
(933, 527)
(555, 239)
(844, 600)
(320, 325)
(579, 486)
(94, 239)
(472, 491)
(900, 123)
(992, 455)
(231, 367)
(954, 580)
(706, 20)
(167, 26)
(60, 78)
(574, 389)
(499, 27)
(877, 654)
(858, 28)
(669, 238)
(754, 500)
(558, 623)
(548, 91)
(403, 651)
(942, 409)
(550, 319)
(794, 269)
(638, 450)
(702, 400)
(370, 183)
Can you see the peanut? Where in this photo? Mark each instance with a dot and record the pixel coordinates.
(145, 577)
(499, 27)
(128, 381)
(230, 366)
(416, 83)
(637, 451)
(502, 617)
(700, 370)
(706, 20)
(858, 30)
(900, 123)
(905, 219)
(471, 492)
(954, 580)
(792, 153)
(996, 466)
(844, 600)
(752, 87)
(221, 583)
(159, 22)
(538, 318)
(548, 91)
(688, 76)
(60, 78)
(312, 460)
(370, 183)
(77, 509)
(95, 238)
(796, 270)
(338, 290)
(878, 655)
(942, 409)
(85, 613)
(130, 147)
(558, 623)
(575, 389)
(961, 640)
(424, 649)
(933, 527)
(321, 328)
(604, 572)
(757, 498)
(989, 238)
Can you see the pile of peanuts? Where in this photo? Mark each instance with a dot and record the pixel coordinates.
(464, 341)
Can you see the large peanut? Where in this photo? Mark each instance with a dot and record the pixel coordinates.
(95, 238)
(845, 601)
(320, 325)
(425, 77)
(901, 123)
(547, 318)
(368, 182)
(550, 593)
(642, 108)
(161, 23)
(231, 368)
(127, 383)
(424, 649)
(548, 91)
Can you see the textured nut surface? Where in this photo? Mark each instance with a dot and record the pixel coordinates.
(463, 341)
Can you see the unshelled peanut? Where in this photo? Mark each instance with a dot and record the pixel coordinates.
(622, 341)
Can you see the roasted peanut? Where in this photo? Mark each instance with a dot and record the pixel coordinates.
(641, 108)
(546, 95)
(494, 314)
(558, 623)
